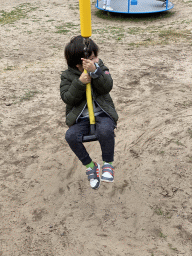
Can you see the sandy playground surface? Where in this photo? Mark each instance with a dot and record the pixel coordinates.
(47, 207)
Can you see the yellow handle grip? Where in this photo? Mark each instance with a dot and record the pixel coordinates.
(89, 102)
(85, 17)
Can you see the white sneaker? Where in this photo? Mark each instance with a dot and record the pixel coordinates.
(109, 8)
(107, 173)
(94, 176)
(104, 6)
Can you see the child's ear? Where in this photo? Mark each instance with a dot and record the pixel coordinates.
(80, 68)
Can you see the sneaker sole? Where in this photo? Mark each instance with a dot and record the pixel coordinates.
(107, 180)
(98, 186)
(99, 178)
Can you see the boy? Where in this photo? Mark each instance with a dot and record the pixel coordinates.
(73, 93)
(106, 5)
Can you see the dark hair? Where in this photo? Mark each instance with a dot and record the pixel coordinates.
(74, 50)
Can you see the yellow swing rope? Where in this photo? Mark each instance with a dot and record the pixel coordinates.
(85, 21)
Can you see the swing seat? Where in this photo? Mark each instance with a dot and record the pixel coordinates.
(92, 136)
(89, 138)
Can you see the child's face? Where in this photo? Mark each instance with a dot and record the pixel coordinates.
(93, 58)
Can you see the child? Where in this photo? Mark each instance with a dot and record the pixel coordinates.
(106, 5)
(164, 2)
(73, 93)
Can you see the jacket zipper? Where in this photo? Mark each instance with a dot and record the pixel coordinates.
(106, 112)
(99, 106)
(81, 112)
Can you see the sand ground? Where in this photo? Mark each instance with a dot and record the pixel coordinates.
(47, 207)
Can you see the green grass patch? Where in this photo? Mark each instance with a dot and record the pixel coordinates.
(61, 30)
(190, 159)
(110, 32)
(165, 214)
(179, 143)
(162, 235)
(147, 42)
(161, 37)
(117, 32)
(174, 34)
(17, 13)
(158, 211)
(74, 6)
(134, 30)
(190, 132)
(8, 68)
(172, 248)
(28, 95)
(65, 28)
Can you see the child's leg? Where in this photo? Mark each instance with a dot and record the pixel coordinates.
(74, 138)
(108, 2)
(105, 132)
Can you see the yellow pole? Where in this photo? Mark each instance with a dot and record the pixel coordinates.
(90, 102)
(85, 17)
(85, 21)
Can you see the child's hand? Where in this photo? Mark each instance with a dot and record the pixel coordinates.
(88, 65)
(85, 78)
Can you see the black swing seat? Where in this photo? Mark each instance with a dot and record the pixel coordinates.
(91, 136)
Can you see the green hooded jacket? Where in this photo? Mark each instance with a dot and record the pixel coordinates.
(73, 93)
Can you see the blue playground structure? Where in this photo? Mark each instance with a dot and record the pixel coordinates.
(137, 6)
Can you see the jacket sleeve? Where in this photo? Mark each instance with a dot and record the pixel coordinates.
(104, 83)
(72, 92)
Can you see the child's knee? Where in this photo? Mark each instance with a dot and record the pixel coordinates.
(106, 131)
(70, 136)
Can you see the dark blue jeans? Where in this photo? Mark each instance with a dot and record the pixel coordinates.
(104, 131)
